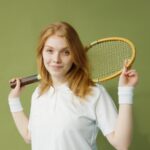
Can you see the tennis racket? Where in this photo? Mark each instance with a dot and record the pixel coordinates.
(106, 57)
(26, 80)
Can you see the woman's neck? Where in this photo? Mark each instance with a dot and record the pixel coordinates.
(58, 82)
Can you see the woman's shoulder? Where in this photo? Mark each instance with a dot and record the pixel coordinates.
(96, 91)
(98, 88)
(36, 93)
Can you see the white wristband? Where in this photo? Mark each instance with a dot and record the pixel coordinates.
(125, 94)
(15, 104)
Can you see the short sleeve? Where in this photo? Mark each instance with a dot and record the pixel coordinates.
(106, 112)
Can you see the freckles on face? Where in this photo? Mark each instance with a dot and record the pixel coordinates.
(57, 56)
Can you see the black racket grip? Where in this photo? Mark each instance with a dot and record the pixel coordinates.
(26, 80)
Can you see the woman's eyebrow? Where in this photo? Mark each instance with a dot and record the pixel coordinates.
(48, 46)
(64, 48)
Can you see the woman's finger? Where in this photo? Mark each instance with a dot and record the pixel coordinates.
(12, 80)
(124, 70)
(131, 72)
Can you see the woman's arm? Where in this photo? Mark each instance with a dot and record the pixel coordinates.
(19, 117)
(122, 135)
(21, 122)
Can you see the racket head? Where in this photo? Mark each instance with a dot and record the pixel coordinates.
(106, 57)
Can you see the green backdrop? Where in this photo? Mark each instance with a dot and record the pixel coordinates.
(20, 24)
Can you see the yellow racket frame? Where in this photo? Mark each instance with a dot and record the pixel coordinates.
(129, 62)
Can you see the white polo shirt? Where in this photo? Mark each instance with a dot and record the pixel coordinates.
(59, 120)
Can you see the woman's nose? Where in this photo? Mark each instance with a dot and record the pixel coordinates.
(57, 58)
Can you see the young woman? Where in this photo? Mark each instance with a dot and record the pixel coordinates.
(67, 108)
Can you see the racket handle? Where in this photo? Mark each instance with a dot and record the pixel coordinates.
(26, 80)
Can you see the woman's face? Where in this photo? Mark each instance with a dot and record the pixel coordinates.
(57, 57)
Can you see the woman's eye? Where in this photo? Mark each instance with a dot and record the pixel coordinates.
(67, 52)
(49, 51)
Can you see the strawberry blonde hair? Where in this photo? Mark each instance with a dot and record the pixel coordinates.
(78, 77)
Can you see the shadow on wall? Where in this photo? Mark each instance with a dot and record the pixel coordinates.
(140, 141)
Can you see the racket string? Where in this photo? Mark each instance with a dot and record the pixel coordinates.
(106, 58)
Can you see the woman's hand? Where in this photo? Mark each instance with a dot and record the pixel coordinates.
(17, 90)
(128, 77)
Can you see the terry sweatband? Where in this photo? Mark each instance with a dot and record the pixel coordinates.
(125, 94)
(15, 104)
